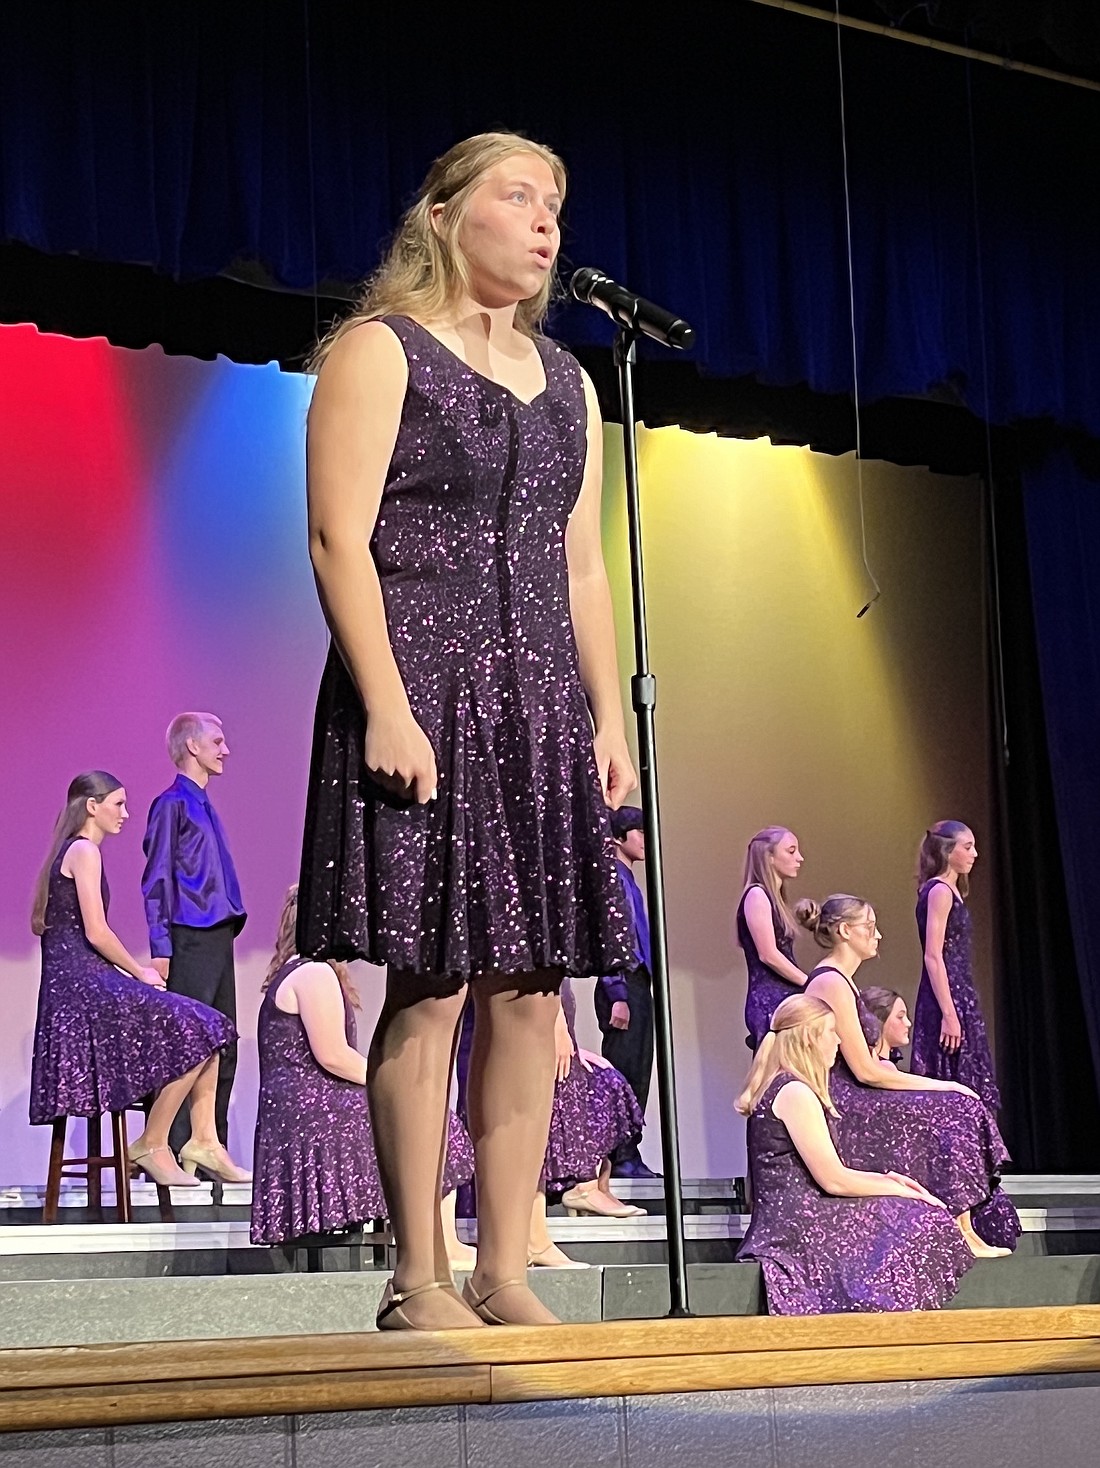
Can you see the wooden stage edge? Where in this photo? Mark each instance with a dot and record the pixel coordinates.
(113, 1385)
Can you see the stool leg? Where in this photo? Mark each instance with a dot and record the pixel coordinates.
(164, 1195)
(94, 1151)
(53, 1176)
(121, 1167)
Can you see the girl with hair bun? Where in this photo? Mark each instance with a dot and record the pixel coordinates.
(766, 927)
(949, 1036)
(830, 1237)
(936, 1131)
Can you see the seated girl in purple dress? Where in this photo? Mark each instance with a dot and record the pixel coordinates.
(107, 1034)
(949, 1036)
(315, 1165)
(594, 1112)
(766, 927)
(830, 1237)
(892, 1013)
(936, 1131)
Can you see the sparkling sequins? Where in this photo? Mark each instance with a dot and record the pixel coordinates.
(512, 868)
(823, 1255)
(315, 1168)
(104, 1040)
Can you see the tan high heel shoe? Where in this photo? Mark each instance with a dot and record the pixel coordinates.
(480, 1306)
(588, 1200)
(214, 1161)
(391, 1316)
(167, 1172)
(552, 1258)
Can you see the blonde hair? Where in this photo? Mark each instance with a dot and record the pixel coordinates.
(91, 785)
(760, 872)
(791, 1045)
(286, 947)
(424, 271)
(935, 849)
(185, 727)
(824, 921)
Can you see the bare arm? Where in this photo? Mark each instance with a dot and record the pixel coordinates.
(758, 919)
(593, 619)
(353, 424)
(563, 1048)
(853, 1043)
(315, 991)
(940, 902)
(801, 1113)
(85, 866)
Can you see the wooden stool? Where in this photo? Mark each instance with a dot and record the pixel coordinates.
(91, 1168)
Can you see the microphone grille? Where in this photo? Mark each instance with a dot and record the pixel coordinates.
(582, 281)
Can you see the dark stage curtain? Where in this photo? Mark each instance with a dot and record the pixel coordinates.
(1051, 1116)
(707, 173)
(1062, 506)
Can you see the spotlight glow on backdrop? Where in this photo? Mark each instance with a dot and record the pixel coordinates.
(154, 558)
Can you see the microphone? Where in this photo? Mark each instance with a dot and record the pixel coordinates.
(629, 310)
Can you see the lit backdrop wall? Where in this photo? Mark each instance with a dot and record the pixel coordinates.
(154, 559)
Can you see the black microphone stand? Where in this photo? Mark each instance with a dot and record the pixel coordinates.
(643, 690)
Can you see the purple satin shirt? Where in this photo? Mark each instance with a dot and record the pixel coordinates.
(615, 984)
(189, 877)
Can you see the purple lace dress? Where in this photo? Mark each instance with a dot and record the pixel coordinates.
(314, 1169)
(103, 1041)
(824, 1255)
(594, 1112)
(948, 1142)
(972, 1063)
(512, 867)
(766, 989)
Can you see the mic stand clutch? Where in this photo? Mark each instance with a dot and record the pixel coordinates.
(643, 691)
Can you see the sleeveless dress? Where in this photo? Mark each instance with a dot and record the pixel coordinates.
(824, 1255)
(766, 989)
(594, 1112)
(946, 1141)
(314, 1168)
(972, 1063)
(512, 868)
(103, 1040)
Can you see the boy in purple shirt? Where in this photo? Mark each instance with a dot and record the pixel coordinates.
(624, 1002)
(192, 897)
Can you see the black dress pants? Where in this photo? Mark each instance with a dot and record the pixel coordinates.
(201, 967)
(630, 1051)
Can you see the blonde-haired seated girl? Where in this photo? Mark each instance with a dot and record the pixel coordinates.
(831, 1238)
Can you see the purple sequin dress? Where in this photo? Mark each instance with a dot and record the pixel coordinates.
(103, 1041)
(972, 1063)
(766, 989)
(314, 1168)
(512, 867)
(946, 1141)
(594, 1112)
(824, 1255)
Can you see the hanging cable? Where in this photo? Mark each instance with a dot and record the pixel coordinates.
(852, 319)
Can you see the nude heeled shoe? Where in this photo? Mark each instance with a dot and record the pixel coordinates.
(216, 1162)
(167, 1171)
(391, 1316)
(480, 1306)
(575, 1202)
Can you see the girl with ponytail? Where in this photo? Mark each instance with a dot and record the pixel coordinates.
(830, 1237)
(949, 1037)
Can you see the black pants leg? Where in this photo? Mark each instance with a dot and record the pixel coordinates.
(202, 968)
(630, 1051)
